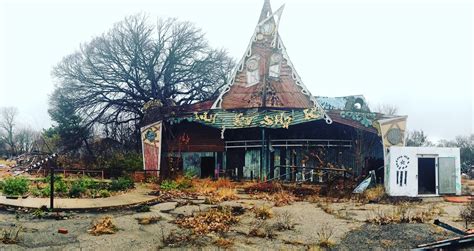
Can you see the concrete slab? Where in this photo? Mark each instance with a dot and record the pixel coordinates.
(136, 196)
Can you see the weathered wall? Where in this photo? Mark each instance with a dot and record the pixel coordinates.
(405, 160)
(151, 146)
(192, 161)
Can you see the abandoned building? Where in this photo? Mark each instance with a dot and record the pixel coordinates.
(266, 124)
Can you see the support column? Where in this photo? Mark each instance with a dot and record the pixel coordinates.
(263, 157)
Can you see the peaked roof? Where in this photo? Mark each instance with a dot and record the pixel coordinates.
(265, 76)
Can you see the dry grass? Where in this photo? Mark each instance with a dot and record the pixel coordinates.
(217, 220)
(283, 198)
(177, 239)
(325, 207)
(324, 236)
(11, 235)
(222, 194)
(224, 243)
(103, 226)
(467, 214)
(263, 212)
(374, 194)
(148, 220)
(208, 186)
(403, 213)
(284, 221)
(262, 229)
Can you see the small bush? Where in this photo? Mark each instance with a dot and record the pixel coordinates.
(263, 212)
(284, 221)
(77, 189)
(17, 186)
(183, 182)
(104, 193)
(324, 236)
(122, 184)
(168, 185)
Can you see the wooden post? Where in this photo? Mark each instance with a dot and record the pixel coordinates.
(51, 184)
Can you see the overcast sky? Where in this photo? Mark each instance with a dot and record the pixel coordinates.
(417, 55)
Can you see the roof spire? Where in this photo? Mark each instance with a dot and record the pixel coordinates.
(266, 11)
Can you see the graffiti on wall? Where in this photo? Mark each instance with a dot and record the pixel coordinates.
(402, 163)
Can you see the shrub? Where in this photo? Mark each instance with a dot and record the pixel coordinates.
(88, 183)
(77, 189)
(104, 193)
(122, 184)
(16, 186)
(169, 185)
(2, 184)
(184, 182)
(263, 212)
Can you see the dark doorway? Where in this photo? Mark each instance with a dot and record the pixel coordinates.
(207, 167)
(426, 176)
(235, 159)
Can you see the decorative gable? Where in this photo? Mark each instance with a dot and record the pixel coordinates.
(265, 76)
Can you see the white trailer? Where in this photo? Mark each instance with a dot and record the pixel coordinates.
(422, 171)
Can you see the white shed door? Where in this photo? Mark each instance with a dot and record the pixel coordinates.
(447, 175)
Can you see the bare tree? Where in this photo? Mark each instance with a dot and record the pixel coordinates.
(7, 124)
(417, 138)
(387, 109)
(110, 78)
(24, 139)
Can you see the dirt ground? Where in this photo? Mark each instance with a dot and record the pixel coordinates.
(344, 222)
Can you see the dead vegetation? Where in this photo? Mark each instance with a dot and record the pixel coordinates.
(467, 214)
(217, 220)
(284, 221)
(103, 226)
(324, 236)
(261, 228)
(374, 194)
(11, 235)
(263, 212)
(404, 213)
(224, 243)
(181, 238)
(220, 195)
(148, 220)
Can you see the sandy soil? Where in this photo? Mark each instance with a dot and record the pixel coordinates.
(346, 220)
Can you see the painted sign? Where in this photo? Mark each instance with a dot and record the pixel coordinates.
(151, 146)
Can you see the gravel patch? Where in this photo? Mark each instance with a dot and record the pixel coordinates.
(399, 236)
